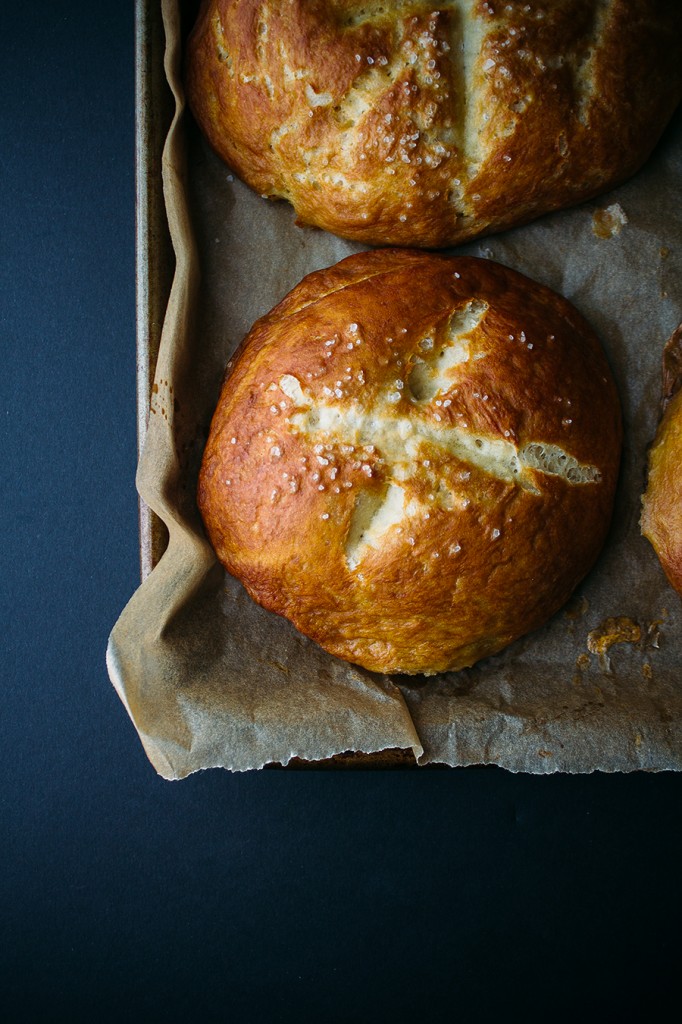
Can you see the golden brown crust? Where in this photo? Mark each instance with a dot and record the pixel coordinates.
(662, 502)
(416, 123)
(413, 458)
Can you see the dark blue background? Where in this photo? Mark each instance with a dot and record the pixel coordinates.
(272, 896)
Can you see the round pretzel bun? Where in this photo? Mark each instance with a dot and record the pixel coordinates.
(662, 501)
(425, 124)
(413, 458)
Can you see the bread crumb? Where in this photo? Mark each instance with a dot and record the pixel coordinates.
(617, 630)
(609, 222)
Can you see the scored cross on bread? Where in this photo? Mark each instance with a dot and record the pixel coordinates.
(401, 441)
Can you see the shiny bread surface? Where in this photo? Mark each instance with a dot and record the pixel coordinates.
(426, 124)
(413, 458)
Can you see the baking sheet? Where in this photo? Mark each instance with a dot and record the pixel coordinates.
(210, 679)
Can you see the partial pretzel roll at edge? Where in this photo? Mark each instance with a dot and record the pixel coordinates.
(662, 501)
(424, 123)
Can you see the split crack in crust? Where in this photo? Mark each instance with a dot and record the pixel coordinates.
(399, 438)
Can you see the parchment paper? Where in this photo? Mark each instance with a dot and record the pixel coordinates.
(210, 679)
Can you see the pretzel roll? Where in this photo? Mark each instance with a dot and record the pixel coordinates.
(662, 502)
(423, 123)
(413, 458)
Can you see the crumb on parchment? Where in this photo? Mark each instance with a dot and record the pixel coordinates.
(609, 221)
(616, 630)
